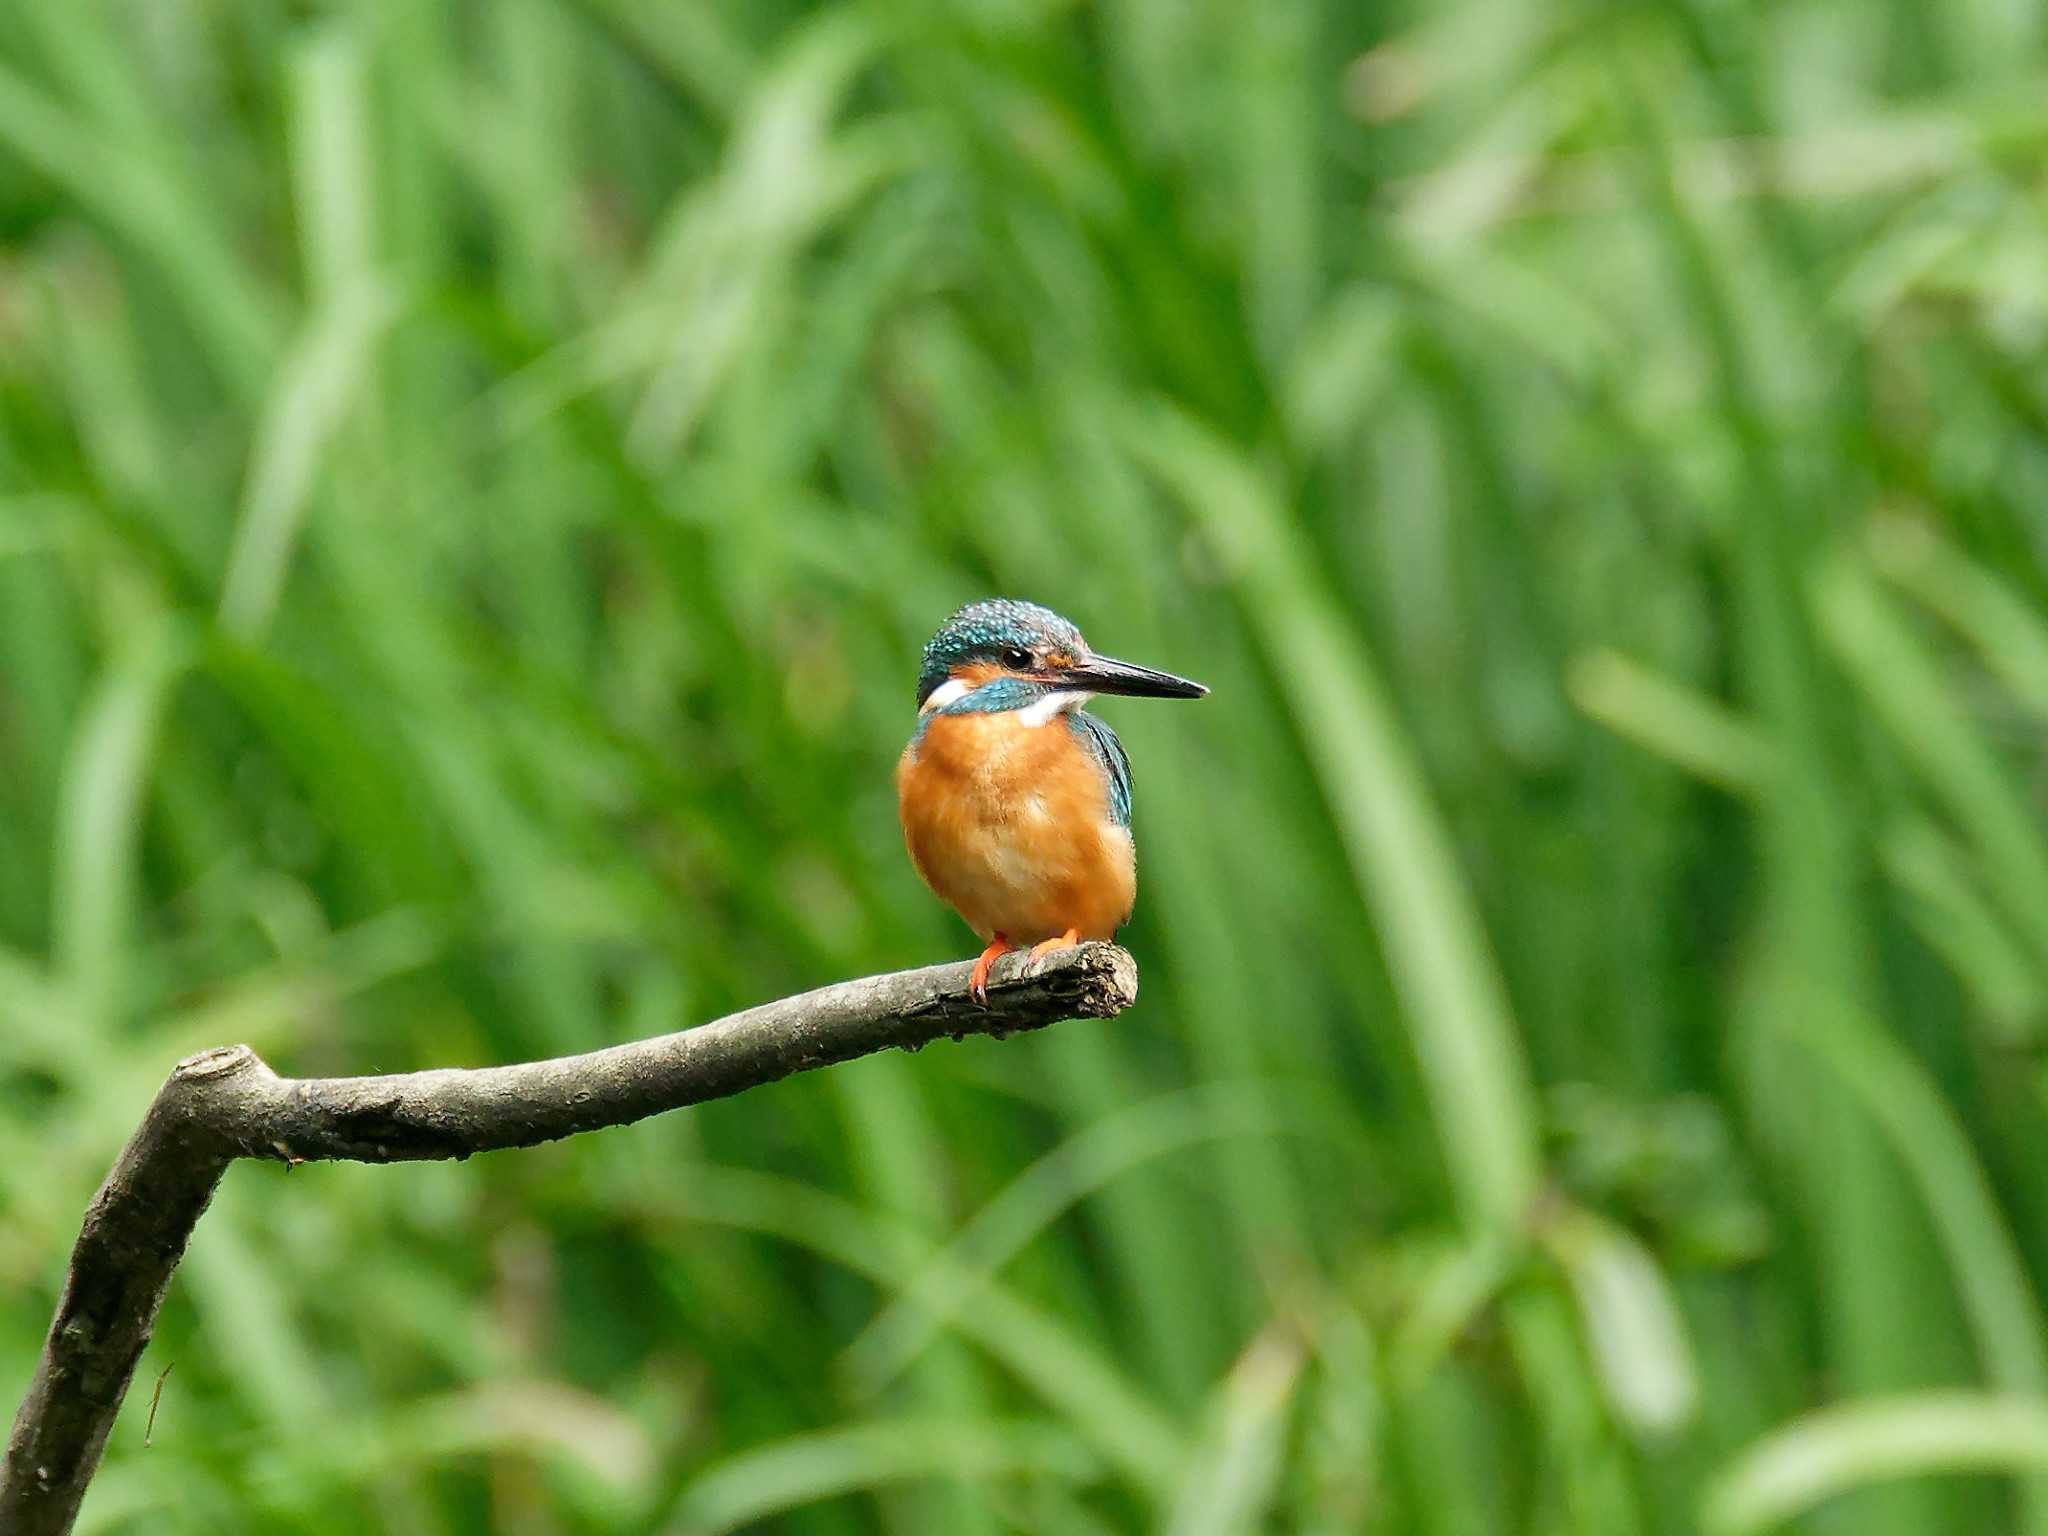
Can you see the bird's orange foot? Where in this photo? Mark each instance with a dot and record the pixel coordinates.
(977, 984)
(1045, 947)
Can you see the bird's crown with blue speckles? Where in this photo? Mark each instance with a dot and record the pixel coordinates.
(983, 631)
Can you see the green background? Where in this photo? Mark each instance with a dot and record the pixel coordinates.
(474, 480)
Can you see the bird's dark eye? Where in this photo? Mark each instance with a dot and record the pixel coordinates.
(1017, 659)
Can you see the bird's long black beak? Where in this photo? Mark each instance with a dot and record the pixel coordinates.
(1102, 674)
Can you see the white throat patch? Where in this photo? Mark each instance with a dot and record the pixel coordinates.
(952, 688)
(1052, 706)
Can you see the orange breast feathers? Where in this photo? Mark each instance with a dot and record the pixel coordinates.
(1009, 823)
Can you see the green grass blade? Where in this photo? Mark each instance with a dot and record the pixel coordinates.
(1872, 1441)
(2012, 1340)
(1666, 718)
(1062, 1178)
(1239, 1464)
(1453, 999)
(773, 1479)
(1632, 1323)
(1907, 693)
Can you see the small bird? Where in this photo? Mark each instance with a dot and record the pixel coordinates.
(1016, 803)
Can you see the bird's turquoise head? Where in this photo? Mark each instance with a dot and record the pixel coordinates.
(1007, 654)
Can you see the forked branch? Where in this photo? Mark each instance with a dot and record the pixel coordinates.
(225, 1104)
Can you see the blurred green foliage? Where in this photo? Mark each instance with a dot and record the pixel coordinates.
(473, 482)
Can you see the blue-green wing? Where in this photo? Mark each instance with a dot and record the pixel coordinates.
(1101, 743)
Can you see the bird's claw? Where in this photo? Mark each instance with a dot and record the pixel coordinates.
(1046, 947)
(977, 984)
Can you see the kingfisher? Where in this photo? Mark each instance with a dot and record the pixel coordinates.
(1015, 801)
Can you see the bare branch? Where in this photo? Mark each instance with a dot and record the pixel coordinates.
(224, 1104)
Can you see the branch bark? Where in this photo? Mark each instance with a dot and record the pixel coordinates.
(226, 1104)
